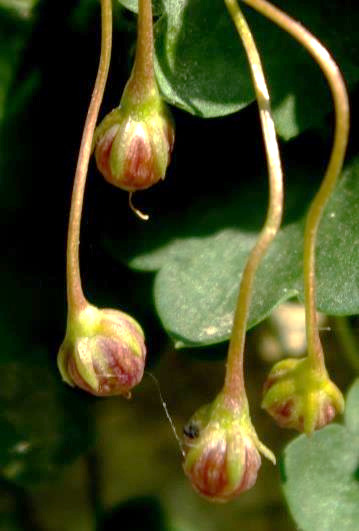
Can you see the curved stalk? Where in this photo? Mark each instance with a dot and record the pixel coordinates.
(142, 78)
(341, 106)
(234, 381)
(144, 47)
(75, 297)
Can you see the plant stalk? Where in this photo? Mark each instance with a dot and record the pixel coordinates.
(75, 296)
(234, 380)
(341, 107)
(142, 77)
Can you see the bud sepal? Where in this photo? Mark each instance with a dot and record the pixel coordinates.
(301, 397)
(222, 451)
(103, 352)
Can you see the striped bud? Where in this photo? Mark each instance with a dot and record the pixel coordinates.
(133, 144)
(299, 397)
(222, 456)
(103, 352)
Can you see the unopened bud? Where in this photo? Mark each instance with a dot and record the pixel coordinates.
(133, 144)
(103, 352)
(297, 396)
(222, 451)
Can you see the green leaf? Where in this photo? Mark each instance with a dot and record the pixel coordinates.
(201, 255)
(43, 425)
(132, 5)
(8, 520)
(320, 484)
(202, 68)
(14, 99)
(22, 8)
(14, 34)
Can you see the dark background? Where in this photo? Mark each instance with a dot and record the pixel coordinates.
(86, 456)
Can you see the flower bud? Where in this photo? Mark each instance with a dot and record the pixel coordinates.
(300, 397)
(222, 451)
(103, 352)
(133, 144)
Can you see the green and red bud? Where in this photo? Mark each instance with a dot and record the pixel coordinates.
(221, 447)
(103, 352)
(299, 397)
(133, 144)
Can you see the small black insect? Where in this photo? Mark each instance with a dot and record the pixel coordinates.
(191, 430)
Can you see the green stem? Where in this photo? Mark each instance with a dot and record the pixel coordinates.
(234, 381)
(142, 80)
(75, 296)
(341, 106)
